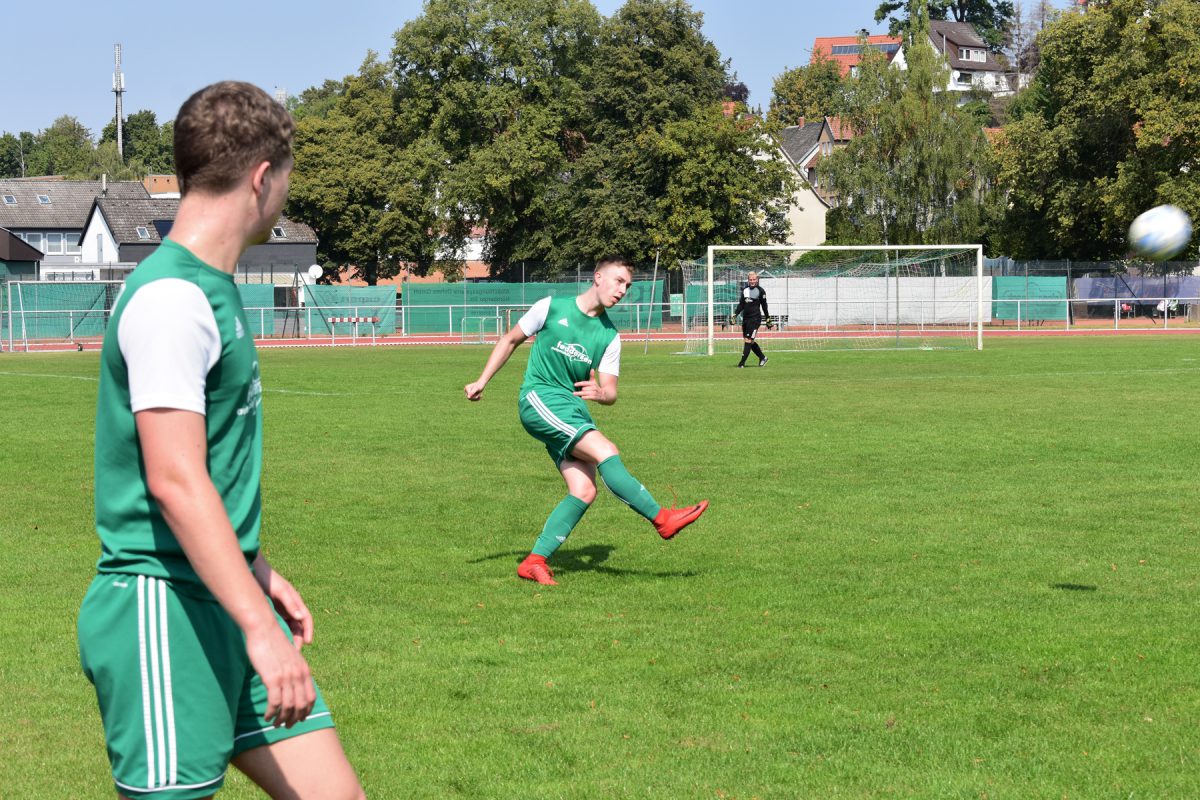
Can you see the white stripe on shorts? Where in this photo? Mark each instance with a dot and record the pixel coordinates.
(172, 769)
(149, 723)
(548, 416)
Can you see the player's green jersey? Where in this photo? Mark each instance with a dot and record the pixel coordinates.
(568, 346)
(134, 536)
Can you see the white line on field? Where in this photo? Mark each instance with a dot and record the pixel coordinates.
(49, 375)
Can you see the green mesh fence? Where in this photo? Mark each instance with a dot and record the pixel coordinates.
(322, 303)
(446, 308)
(259, 302)
(1042, 297)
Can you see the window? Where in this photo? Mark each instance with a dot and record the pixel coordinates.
(278, 232)
(54, 244)
(972, 54)
(10, 200)
(34, 240)
(143, 232)
(71, 244)
(44, 199)
(966, 77)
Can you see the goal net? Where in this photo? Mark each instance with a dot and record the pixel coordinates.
(57, 311)
(840, 298)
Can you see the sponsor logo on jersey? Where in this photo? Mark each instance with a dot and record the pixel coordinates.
(253, 394)
(574, 352)
(238, 330)
(564, 322)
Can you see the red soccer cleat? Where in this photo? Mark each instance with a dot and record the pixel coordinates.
(534, 568)
(671, 521)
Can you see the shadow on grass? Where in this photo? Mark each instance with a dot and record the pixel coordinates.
(1073, 587)
(585, 559)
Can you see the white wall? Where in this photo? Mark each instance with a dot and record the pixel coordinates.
(98, 245)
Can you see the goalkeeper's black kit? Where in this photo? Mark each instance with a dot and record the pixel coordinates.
(753, 307)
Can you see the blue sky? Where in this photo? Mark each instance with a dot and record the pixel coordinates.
(61, 62)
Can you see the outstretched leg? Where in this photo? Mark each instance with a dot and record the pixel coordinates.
(596, 448)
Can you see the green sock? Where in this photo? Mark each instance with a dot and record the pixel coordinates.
(559, 524)
(628, 488)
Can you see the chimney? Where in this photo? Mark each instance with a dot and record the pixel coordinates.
(104, 185)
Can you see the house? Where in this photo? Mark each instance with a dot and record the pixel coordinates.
(802, 146)
(847, 50)
(18, 260)
(49, 214)
(972, 65)
(125, 231)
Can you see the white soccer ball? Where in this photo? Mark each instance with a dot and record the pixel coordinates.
(1160, 233)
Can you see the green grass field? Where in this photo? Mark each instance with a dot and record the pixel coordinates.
(923, 574)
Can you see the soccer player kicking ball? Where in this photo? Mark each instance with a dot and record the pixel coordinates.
(576, 357)
(191, 639)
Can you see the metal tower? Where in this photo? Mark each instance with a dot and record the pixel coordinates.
(118, 90)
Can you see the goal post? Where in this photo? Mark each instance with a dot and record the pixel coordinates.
(56, 311)
(830, 297)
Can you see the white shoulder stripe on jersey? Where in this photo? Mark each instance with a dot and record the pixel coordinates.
(546, 414)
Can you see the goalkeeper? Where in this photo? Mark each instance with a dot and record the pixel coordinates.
(576, 357)
(753, 308)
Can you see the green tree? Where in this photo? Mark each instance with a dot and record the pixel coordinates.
(991, 18)
(105, 160)
(368, 200)
(810, 92)
(146, 142)
(916, 168)
(491, 102)
(1111, 128)
(316, 100)
(665, 170)
(12, 155)
(65, 148)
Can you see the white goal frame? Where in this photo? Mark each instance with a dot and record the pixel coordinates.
(978, 248)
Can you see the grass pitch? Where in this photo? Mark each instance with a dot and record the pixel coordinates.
(923, 574)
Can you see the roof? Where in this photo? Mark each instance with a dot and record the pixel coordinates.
(960, 34)
(797, 141)
(156, 215)
(13, 248)
(847, 52)
(69, 206)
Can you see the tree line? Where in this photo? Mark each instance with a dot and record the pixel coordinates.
(562, 135)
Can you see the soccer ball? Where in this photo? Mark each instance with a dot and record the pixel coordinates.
(1160, 233)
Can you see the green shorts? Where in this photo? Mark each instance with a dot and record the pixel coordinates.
(177, 694)
(556, 419)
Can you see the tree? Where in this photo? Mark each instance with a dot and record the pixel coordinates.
(809, 92)
(145, 141)
(664, 169)
(915, 170)
(65, 148)
(12, 154)
(1110, 130)
(990, 18)
(369, 200)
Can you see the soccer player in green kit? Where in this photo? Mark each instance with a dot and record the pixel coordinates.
(576, 357)
(191, 639)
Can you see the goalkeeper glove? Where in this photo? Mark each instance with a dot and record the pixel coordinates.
(733, 319)
(770, 323)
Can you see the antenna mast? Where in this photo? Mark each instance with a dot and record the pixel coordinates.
(118, 90)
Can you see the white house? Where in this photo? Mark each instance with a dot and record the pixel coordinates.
(972, 65)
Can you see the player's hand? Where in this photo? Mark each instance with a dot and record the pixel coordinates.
(287, 601)
(733, 319)
(285, 675)
(589, 389)
(770, 322)
(474, 390)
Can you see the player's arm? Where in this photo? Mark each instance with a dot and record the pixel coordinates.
(762, 300)
(503, 350)
(286, 599)
(174, 450)
(599, 388)
(530, 323)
